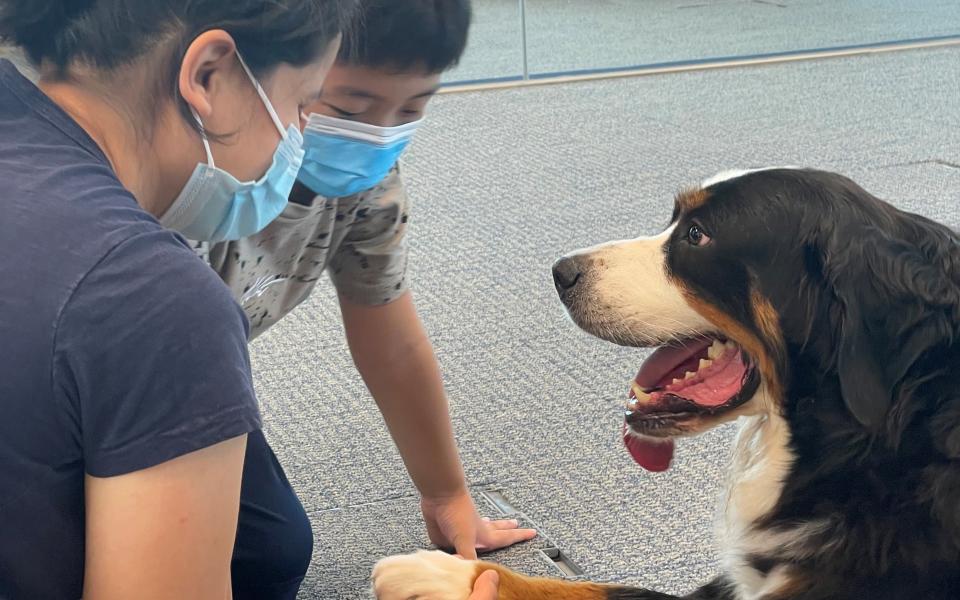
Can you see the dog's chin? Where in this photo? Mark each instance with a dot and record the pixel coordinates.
(680, 425)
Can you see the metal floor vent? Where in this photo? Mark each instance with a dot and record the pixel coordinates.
(499, 502)
(560, 560)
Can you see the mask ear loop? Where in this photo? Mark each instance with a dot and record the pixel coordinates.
(263, 97)
(203, 137)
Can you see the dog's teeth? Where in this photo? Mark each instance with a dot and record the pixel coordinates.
(641, 396)
(716, 349)
(690, 375)
(731, 345)
(704, 363)
(677, 381)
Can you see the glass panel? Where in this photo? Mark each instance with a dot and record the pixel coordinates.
(495, 49)
(573, 35)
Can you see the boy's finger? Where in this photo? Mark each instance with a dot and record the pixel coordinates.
(509, 537)
(465, 549)
(505, 524)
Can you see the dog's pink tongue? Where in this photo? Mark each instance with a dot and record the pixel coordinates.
(651, 454)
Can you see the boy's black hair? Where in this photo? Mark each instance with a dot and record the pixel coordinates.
(402, 35)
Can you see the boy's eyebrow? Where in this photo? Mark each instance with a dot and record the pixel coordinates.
(349, 91)
(358, 93)
(427, 93)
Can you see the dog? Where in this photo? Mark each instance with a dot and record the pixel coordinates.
(825, 321)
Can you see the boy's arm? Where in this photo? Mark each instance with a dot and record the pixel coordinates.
(396, 360)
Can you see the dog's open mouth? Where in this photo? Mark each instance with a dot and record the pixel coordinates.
(680, 383)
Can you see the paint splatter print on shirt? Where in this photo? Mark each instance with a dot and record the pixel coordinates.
(359, 240)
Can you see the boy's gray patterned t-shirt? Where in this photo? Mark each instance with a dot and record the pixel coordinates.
(358, 239)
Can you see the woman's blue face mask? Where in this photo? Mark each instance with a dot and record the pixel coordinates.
(214, 206)
(342, 157)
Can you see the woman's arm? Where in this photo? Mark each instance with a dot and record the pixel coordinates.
(167, 531)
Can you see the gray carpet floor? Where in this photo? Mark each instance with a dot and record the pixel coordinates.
(568, 35)
(505, 182)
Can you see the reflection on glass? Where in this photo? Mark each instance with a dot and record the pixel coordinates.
(564, 36)
(572, 35)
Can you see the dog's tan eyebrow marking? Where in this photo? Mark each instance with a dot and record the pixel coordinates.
(690, 198)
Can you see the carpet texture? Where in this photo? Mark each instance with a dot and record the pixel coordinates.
(504, 183)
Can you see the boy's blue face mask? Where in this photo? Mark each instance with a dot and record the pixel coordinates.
(214, 206)
(344, 157)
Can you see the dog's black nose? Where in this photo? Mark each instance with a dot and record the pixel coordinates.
(566, 274)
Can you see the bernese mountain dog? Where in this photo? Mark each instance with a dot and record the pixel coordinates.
(827, 323)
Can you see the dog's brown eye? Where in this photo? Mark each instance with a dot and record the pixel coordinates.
(697, 237)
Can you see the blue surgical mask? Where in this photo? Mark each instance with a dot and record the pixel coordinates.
(214, 206)
(348, 157)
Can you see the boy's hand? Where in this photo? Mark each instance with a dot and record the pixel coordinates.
(453, 522)
(485, 588)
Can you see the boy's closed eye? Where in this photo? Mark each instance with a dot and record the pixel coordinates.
(342, 112)
(382, 97)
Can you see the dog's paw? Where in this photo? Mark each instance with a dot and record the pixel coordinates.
(425, 576)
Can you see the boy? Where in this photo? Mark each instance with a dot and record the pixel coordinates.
(347, 216)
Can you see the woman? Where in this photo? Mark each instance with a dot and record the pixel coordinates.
(126, 398)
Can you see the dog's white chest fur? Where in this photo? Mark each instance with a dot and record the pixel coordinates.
(761, 462)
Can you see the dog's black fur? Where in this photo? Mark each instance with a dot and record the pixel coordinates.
(868, 299)
(872, 385)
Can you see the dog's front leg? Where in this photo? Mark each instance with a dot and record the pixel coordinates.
(439, 576)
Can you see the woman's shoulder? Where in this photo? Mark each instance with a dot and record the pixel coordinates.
(152, 342)
(155, 269)
(66, 225)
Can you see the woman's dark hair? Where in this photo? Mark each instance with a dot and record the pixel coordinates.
(408, 34)
(109, 33)
(106, 34)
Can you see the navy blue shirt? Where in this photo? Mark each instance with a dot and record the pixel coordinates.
(119, 348)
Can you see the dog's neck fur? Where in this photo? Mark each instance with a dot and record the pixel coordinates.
(761, 462)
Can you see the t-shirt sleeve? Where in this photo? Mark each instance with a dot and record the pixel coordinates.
(151, 359)
(370, 266)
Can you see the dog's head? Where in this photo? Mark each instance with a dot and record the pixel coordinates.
(769, 287)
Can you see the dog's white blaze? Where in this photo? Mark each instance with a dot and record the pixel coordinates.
(761, 462)
(434, 575)
(734, 173)
(630, 293)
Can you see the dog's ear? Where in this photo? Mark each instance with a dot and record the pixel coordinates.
(896, 301)
(866, 386)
